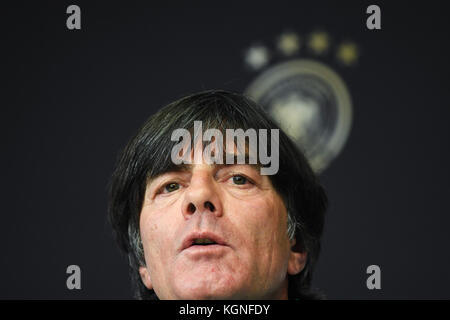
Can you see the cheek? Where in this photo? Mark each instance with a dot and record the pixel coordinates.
(262, 236)
(155, 237)
(260, 214)
(260, 220)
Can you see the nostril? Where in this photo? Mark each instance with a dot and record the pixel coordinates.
(210, 206)
(191, 208)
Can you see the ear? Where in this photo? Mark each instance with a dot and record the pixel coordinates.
(145, 277)
(297, 260)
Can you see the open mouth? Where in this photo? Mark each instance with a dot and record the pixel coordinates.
(205, 247)
(202, 242)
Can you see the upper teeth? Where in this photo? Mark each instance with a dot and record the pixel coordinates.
(203, 241)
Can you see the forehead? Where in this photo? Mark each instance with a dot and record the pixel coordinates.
(191, 135)
(214, 153)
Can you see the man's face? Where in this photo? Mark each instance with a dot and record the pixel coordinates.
(247, 255)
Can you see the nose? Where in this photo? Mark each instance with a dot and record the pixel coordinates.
(201, 196)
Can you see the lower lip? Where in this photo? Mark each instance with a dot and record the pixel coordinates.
(209, 250)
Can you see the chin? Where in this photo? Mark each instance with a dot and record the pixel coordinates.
(208, 295)
(208, 290)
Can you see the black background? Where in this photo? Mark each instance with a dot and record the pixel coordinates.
(72, 99)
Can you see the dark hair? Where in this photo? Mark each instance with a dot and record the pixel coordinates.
(148, 155)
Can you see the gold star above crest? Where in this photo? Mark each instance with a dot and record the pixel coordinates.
(319, 42)
(288, 43)
(347, 53)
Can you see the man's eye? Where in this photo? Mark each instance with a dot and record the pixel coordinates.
(170, 187)
(239, 180)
